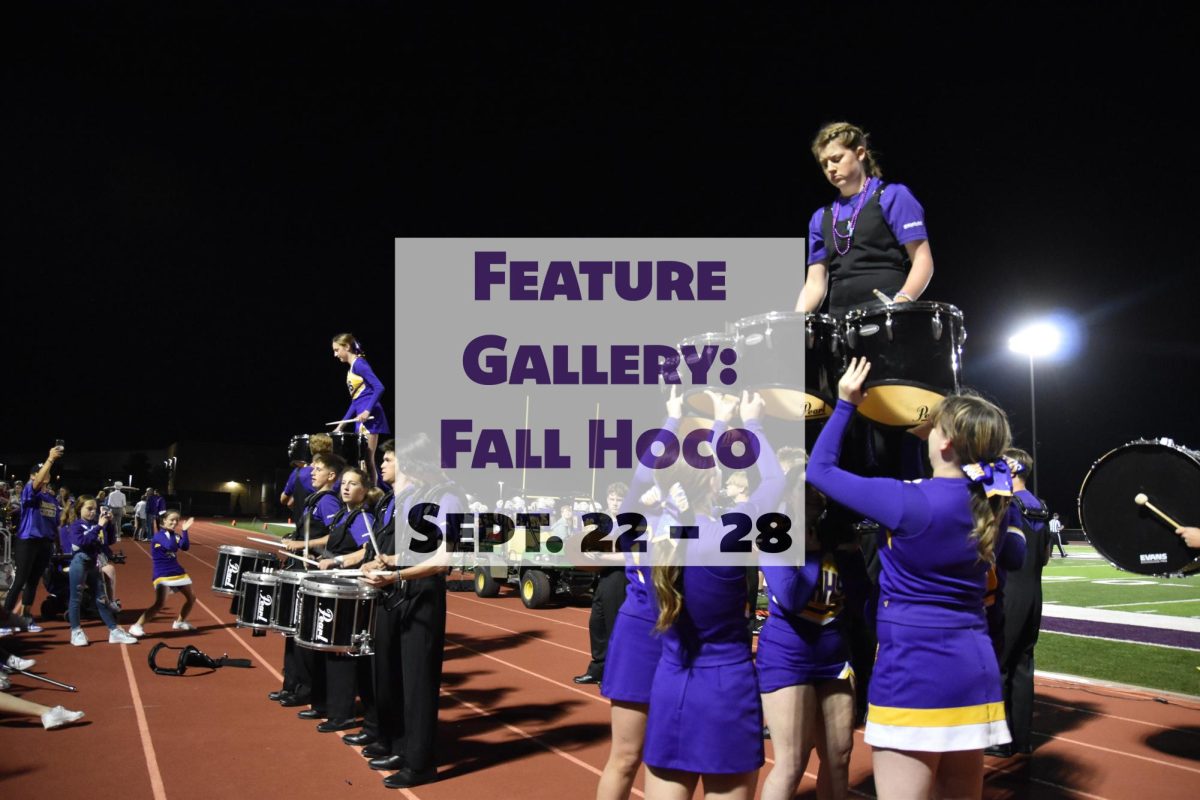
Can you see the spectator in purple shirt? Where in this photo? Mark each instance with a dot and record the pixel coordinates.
(35, 540)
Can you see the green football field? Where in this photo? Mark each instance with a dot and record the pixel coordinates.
(1087, 580)
(257, 528)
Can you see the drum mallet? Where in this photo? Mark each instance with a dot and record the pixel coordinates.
(43, 678)
(1143, 500)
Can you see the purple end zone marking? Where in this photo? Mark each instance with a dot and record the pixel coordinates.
(1126, 633)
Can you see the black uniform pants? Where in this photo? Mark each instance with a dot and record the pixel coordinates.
(347, 677)
(422, 643)
(32, 557)
(1016, 671)
(606, 602)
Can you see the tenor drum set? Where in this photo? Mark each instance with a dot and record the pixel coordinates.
(794, 360)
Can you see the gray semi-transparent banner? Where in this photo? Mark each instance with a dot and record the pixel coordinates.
(600, 402)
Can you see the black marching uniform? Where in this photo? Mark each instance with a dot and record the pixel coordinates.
(1023, 620)
(346, 676)
(607, 598)
(299, 663)
(411, 628)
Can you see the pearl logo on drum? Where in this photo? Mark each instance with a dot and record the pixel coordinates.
(261, 611)
(231, 573)
(324, 615)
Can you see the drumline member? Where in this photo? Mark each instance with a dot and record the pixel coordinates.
(345, 676)
(871, 238)
(607, 597)
(168, 573)
(705, 715)
(318, 510)
(935, 699)
(299, 484)
(422, 631)
(386, 657)
(803, 656)
(634, 648)
(366, 392)
(1023, 612)
(82, 538)
(36, 533)
(1191, 536)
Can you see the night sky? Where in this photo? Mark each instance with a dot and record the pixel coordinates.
(199, 196)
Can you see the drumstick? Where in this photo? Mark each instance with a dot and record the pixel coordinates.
(1143, 500)
(352, 419)
(883, 297)
(371, 536)
(273, 543)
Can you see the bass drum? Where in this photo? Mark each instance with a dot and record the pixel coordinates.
(1131, 536)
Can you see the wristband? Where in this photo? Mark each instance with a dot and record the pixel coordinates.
(905, 295)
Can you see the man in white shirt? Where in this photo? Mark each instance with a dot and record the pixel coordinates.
(116, 502)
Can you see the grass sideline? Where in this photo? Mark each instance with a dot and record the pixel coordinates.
(1122, 662)
(1093, 583)
(257, 528)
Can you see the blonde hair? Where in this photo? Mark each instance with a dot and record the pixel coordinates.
(851, 137)
(320, 443)
(350, 342)
(668, 580)
(75, 510)
(978, 431)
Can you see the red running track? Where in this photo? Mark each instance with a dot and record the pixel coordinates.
(513, 723)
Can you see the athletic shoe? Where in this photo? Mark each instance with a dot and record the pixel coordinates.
(182, 625)
(118, 636)
(59, 716)
(14, 662)
(78, 637)
(5, 683)
(136, 630)
(7, 632)
(32, 626)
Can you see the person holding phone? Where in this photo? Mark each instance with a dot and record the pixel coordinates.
(83, 538)
(35, 539)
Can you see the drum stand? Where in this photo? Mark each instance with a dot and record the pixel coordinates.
(29, 674)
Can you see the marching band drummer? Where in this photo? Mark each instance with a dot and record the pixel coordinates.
(303, 676)
(366, 393)
(345, 676)
(422, 623)
(871, 238)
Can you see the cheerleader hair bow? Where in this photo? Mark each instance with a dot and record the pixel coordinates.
(995, 477)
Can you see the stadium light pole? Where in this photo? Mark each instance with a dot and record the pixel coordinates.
(1035, 341)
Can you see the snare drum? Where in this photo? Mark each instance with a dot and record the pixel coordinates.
(285, 615)
(258, 600)
(337, 615)
(915, 350)
(298, 450)
(694, 394)
(1130, 536)
(793, 360)
(351, 446)
(233, 562)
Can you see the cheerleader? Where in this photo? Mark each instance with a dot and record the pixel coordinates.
(366, 392)
(634, 647)
(34, 541)
(803, 656)
(169, 574)
(935, 700)
(705, 716)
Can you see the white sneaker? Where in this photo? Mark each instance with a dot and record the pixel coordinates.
(5, 683)
(118, 636)
(182, 625)
(13, 662)
(136, 630)
(78, 637)
(59, 716)
(6, 632)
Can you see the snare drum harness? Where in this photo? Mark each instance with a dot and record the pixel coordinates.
(190, 656)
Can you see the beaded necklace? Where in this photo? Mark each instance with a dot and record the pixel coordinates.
(837, 237)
